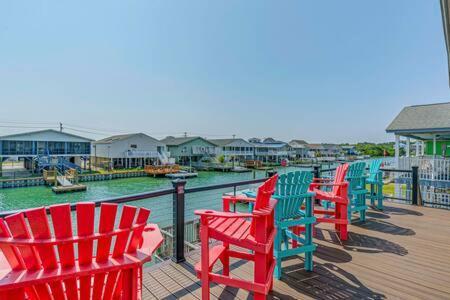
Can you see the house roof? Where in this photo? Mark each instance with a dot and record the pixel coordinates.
(224, 142)
(426, 118)
(30, 133)
(176, 141)
(121, 137)
(300, 142)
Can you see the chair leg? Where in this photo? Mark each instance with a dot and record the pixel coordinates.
(337, 215)
(205, 263)
(260, 270)
(362, 212)
(343, 228)
(278, 238)
(226, 260)
(308, 242)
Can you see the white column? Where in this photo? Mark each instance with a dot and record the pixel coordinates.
(417, 148)
(397, 150)
(408, 146)
(422, 148)
(434, 145)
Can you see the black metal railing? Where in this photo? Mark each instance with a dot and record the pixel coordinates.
(179, 191)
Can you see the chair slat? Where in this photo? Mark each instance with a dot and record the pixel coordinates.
(108, 213)
(85, 227)
(62, 226)
(37, 218)
(126, 222)
(11, 254)
(18, 229)
(136, 237)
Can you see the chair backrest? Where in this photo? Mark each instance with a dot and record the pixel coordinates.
(39, 250)
(355, 174)
(290, 193)
(339, 177)
(265, 192)
(374, 169)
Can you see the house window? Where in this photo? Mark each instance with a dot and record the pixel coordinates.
(134, 146)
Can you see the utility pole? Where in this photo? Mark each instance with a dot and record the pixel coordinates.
(60, 127)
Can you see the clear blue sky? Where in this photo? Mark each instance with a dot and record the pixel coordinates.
(323, 71)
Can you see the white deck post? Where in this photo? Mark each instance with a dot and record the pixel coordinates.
(397, 191)
(397, 150)
(434, 145)
(422, 150)
(418, 144)
(408, 146)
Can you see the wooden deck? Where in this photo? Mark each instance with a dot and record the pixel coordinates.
(401, 253)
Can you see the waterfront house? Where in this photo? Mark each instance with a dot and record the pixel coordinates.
(128, 151)
(234, 149)
(299, 148)
(428, 126)
(189, 149)
(39, 149)
(326, 151)
(271, 150)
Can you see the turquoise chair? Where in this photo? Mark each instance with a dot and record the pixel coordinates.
(375, 179)
(357, 191)
(294, 218)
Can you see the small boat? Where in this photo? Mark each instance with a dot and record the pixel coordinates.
(240, 169)
(182, 175)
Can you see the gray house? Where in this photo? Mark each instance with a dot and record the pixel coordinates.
(234, 149)
(299, 148)
(189, 149)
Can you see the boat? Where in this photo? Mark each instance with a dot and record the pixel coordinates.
(182, 175)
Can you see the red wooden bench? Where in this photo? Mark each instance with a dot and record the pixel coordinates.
(31, 268)
(256, 234)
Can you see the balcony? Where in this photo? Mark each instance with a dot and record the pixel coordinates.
(387, 257)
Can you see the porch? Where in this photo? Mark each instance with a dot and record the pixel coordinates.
(400, 253)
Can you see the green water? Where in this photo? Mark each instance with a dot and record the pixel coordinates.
(28, 197)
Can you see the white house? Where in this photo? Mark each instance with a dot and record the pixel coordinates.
(127, 151)
(234, 149)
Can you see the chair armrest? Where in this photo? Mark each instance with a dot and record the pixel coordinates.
(221, 214)
(242, 198)
(322, 179)
(313, 185)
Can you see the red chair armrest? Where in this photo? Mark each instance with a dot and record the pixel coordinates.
(221, 214)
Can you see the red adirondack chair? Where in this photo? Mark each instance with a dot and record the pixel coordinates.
(31, 269)
(256, 234)
(337, 214)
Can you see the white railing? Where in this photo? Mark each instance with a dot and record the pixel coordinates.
(237, 153)
(435, 169)
(141, 153)
(203, 150)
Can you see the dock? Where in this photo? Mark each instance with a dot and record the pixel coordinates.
(66, 183)
(401, 253)
(161, 170)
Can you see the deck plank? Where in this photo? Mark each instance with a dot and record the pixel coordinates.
(400, 253)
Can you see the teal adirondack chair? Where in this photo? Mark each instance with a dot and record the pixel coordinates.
(357, 190)
(375, 179)
(294, 218)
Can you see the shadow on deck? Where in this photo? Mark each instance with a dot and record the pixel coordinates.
(402, 252)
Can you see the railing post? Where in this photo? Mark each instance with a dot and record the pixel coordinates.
(316, 171)
(415, 184)
(271, 173)
(178, 220)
